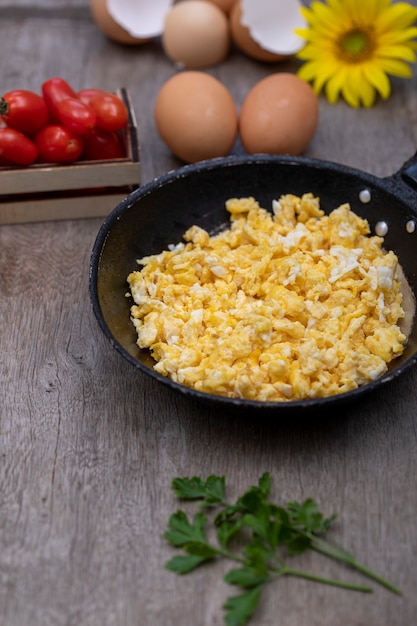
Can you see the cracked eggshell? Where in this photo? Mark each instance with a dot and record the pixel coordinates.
(263, 29)
(244, 41)
(196, 34)
(130, 21)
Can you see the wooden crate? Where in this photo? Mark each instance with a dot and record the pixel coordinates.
(80, 190)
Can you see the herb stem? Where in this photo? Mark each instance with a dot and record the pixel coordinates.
(373, 575)
(323, 547)
(230, 555)
(320, 579)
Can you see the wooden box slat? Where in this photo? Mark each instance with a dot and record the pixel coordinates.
(61, 208)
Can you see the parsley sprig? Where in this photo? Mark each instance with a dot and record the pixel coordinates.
(257, 536)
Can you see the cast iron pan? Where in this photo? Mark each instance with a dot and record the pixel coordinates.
(158, 214)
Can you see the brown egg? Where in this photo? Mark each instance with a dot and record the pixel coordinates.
(196, 116)
(110, 27)
(196, 34)
(279, 115)
(224, 5)
(243, 40)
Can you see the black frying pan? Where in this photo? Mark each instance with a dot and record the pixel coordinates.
(158, 214)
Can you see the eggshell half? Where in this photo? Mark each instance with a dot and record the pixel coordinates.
(110, 27)
(271, 24)
(140, 18)
(279, 115)
(243, 39)
(196, 116)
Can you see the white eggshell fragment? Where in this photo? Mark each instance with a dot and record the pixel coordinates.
(196, 34)
(140, 18)
(272, 22)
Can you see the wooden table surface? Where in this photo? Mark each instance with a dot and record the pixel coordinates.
(88, 447)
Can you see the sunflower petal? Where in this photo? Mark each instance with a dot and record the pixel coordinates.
(317, 73)
(308, 52)
(397, 52)
(368, 94)
(359, 88)
(397, 17)
(368, 11)
(351, 89)
(334, 85)
(321, 19)
(378, 78)
(396, 68)
(398, 36)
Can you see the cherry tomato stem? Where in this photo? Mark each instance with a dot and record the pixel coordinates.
(24, 110)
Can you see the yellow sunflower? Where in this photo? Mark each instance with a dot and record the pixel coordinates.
(353, 45)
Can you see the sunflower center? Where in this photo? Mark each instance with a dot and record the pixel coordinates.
(356, 45)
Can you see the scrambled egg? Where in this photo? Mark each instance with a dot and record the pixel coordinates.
(279, 307)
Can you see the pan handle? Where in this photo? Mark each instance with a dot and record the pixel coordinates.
(404, 182)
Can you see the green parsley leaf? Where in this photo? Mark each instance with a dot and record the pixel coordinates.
(308, 517)
(211, 490)
(245, 577)
(258, 556)
(227, 530)
(298, 544)
(184, 564)
(260, 523)
(203, 550)
(240, 608)
(182, 532)
(265, 483)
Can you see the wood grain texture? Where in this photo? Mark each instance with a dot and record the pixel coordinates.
(88, 447)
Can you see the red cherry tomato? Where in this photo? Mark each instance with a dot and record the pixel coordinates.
(16, 148)
(112, 113)
(65, 108)
(24, 110)
(57, 144)
(77, 116)
(54, 91)
(100, 144)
